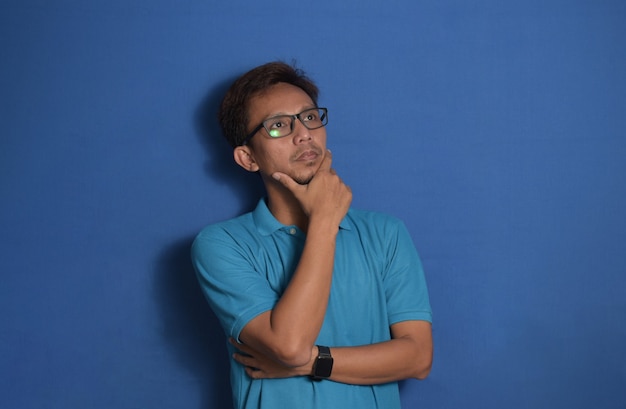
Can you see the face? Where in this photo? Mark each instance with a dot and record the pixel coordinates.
(298, 154)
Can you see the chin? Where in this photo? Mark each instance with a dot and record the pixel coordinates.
(303, 180)
(307, 174)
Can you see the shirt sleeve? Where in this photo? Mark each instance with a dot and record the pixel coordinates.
(236, 290)
(404, 280)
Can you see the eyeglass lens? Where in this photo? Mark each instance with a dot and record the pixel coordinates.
(283, 125)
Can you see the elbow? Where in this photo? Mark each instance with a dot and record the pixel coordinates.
(422, 372)
(422, 367)
(294, 355)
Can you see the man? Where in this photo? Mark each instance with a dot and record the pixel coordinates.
(325, 306)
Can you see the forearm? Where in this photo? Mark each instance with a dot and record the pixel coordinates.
(283, 333)
(408, 355)
(307, 293)
(384, 362)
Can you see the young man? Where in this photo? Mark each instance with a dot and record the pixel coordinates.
(325, 306)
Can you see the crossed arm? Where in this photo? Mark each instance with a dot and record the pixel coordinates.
(407, 355)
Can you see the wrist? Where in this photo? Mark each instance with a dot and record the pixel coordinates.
(323, 365)
(323, 226)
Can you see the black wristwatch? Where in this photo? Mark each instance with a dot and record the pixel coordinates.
(323, 366)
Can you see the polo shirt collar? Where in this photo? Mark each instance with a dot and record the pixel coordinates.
(267, 224)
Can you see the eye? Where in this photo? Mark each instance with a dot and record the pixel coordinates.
(311, 116)
(278, 126)
(277, 123)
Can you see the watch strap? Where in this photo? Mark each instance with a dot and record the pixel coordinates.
(323, 365)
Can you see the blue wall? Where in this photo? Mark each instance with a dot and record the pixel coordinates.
(495, 129)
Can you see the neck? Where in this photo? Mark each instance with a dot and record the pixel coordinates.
(284, 207)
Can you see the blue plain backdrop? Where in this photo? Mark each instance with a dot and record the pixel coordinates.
(495, 129)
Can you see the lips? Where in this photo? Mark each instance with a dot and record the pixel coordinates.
(308, 155)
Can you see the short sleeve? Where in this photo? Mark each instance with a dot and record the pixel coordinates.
(403, 278)
(236, 290)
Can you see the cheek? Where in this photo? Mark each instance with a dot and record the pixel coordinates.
(270, 160)
(321, 138)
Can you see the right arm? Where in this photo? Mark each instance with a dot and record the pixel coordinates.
(288, 332)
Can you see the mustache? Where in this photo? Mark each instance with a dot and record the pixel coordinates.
(309, 148)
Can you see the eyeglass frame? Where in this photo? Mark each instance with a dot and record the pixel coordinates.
(293, 121)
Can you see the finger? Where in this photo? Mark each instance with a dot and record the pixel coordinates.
(238, 358)
(286, 181)
(253, 373)
(243, 359)
(328, 160)
(234, 343)
(243, 349)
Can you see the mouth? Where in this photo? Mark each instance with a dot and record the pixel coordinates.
(308, 155)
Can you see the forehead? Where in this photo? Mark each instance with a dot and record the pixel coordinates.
(279, 99)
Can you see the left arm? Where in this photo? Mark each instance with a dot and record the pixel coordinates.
(407, 355)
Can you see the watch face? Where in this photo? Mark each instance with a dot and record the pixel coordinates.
(323, 367)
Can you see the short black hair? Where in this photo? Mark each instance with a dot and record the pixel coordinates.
(233, 112)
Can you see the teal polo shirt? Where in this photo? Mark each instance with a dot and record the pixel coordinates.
(244, 265)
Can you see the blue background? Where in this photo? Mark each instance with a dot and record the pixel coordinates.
(495, 129)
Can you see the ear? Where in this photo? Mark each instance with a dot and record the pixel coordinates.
(244, 158)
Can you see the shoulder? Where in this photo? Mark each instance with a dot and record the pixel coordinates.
(376, 228)
(234, 230)
(370, 220)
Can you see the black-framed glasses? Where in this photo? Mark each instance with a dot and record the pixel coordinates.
(282, 125)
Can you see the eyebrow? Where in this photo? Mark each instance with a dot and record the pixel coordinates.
(274, 115)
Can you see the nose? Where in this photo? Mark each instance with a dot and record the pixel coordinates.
(300, 132)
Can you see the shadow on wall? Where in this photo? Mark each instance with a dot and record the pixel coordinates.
(189, 326)
(220, 166)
